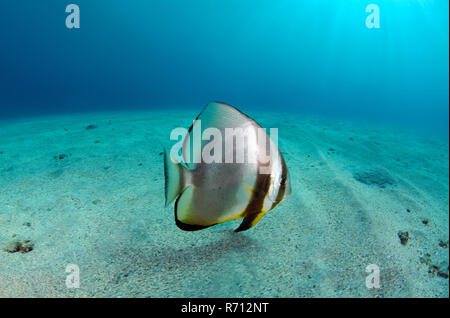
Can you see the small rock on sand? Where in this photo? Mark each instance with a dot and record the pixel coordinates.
(91, 127)
(15, 246)
(403, 236)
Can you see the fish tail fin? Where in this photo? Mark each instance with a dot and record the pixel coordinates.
(174, 178)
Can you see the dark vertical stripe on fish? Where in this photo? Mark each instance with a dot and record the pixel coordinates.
(256, 202)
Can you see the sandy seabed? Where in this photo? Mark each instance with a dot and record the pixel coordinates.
(95, 198)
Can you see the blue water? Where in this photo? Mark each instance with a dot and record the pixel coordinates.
(296, 56)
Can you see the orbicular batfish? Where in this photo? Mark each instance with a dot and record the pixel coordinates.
(230, 169)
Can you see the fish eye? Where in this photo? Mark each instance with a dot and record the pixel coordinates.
(283, 181)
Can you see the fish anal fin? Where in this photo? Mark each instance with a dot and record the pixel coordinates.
(184, 214)
(249, 221)
(190, 227)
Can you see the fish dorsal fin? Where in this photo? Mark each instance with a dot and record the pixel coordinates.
(215, 115)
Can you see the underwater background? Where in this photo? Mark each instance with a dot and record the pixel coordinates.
(363, 119)
(298, 56)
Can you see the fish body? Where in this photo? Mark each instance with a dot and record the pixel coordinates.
(248, 177)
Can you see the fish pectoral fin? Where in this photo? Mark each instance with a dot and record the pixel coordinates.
(250, 221)
(249, 189)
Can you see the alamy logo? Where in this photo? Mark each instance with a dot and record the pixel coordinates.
(373, 19)
(232, 145)
(73, 19)
(73, 279)
(373, 279)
